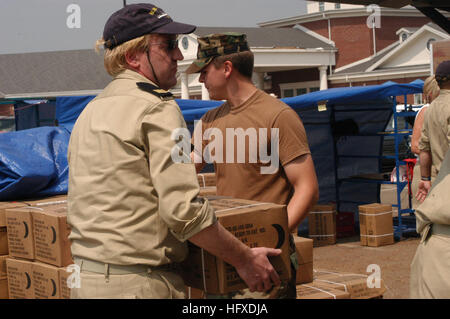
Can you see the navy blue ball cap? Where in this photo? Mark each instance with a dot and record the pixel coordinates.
(139, 19)
(443, 69)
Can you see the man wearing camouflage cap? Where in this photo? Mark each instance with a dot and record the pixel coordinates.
(225, 63)
(435, 138)
(131, 208)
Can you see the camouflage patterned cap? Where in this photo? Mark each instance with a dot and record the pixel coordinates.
(215, 45)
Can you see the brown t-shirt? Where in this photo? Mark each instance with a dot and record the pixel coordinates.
(260, 176)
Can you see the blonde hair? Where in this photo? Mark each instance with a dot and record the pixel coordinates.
(430, 89)
(114, 59)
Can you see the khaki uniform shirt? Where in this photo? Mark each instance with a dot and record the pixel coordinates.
(435, 209)
(435, 136)
(129, 202)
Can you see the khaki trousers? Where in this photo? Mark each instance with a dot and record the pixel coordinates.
(430, 268)
(152, 284)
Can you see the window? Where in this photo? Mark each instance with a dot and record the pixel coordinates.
(288, 93)
(431, 40)
(404, 36)
(321, 6)
(298, 88)
(301, 91)
(418, 98)
(337, 5)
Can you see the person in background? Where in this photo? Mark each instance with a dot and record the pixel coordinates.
(430, 267)
(435, 138)
(430, 92)
(225, 63)
(131, 207)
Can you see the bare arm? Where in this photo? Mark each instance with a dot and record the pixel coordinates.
(425, 170)
(417, 130)
(252, 264)
(302, 175)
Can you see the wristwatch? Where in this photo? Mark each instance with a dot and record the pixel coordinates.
(426, 179)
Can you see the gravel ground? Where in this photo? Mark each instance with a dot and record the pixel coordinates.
(349, 256)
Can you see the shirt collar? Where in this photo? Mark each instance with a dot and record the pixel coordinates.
(133, 75)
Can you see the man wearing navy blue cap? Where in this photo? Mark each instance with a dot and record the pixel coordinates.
(131, 208)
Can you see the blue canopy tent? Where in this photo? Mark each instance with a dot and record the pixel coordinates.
(342, 125)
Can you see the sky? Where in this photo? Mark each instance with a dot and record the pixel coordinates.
(53, 25)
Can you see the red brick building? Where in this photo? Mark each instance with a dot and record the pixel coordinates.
(395, 41)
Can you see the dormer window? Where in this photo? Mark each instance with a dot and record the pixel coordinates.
(403, 36)
(431, 40)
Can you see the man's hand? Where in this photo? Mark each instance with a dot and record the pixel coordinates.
(252, 264)
(257, 271)
(422, 192)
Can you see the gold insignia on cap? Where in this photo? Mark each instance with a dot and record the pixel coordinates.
(153, 11)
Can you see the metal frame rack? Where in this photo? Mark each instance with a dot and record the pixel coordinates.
(405, 221)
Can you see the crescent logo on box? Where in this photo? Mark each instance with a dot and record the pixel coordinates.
(281, 235)
(26, 230)
(54, 235)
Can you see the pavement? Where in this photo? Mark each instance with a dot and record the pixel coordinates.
(349, 256)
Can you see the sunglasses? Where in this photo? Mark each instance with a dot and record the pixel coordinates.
(171, 44)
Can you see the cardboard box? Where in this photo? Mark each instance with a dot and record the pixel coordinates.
(28, 202)
(208, 191)
(3, 241)
(45, 281)
(322, 225)
(255, 224)
(63, 287)
(313, 291)
(20, 283)
(4, 289)
(376, 225)
(20, 232)
(355, 284)
(305, 273)
(3, 272)
(3, 229)
(206, 179)
(51, 235)
(304, 250)
(8, 205)
(18, 204)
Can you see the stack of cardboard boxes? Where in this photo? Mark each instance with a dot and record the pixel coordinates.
(322, 224)
(38, 248)
(340, 285)
(376, 225)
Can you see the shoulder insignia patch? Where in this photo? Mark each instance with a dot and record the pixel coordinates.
(153, 89)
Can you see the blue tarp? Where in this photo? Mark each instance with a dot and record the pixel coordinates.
(33, 162)
(69, 108)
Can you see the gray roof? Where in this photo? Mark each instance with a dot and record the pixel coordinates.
(45, 73)
(272, 37)
(49, 74)
(362, 67)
